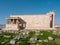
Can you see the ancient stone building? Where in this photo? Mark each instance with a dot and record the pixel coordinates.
(40, 21)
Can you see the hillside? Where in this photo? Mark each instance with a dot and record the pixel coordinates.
(30, 38)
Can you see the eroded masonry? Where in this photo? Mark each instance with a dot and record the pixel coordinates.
(40, 21)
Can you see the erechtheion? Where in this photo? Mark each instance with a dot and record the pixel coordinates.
(37, 21)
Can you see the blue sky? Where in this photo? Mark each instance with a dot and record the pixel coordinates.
(18, 7)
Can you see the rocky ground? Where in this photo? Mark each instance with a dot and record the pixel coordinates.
(43, 37)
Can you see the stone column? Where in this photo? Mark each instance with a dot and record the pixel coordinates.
(9, 21)
(13, 21)
(17, 21)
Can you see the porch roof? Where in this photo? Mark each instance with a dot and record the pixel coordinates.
(13, 18)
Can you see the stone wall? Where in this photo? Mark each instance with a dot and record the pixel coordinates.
(36, 21)
(11, 27)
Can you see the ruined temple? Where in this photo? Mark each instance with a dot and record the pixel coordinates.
(35, 21)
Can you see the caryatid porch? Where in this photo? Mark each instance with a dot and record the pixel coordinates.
(15, 23)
